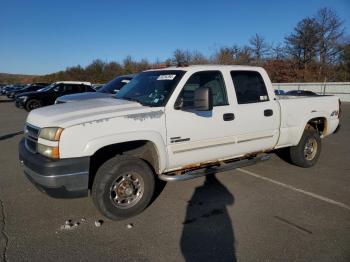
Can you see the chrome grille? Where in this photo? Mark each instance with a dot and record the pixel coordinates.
(32, 131)
(31, 137)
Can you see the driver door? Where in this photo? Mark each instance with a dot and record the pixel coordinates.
(198, 136)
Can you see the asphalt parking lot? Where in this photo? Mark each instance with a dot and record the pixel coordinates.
(268, 212)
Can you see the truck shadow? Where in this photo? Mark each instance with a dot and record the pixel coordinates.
(283, 154)
(6, 101)
(4, 137)
(208, 233)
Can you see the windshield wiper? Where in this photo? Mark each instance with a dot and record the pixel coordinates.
(136, 100)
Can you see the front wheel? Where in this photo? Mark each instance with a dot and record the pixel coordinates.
(32, 104)
(123, 187)
(307, 152)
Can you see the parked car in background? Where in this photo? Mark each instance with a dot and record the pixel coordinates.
(10, 88)
(4, 89)
(28, 88)
(279, 92)
(300, 93)
(109, 89)
(2, 86)
(48, 95)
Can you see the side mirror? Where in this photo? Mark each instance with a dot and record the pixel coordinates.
(203, 99)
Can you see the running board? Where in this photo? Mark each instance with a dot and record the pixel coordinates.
(187, 175)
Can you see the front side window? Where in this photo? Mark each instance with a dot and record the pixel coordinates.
(151, 88)
(211, 79)
(59, 88)
(249, 87)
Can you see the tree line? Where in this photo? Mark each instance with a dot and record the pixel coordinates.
(317, 50)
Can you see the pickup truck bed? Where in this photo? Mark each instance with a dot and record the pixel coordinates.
(297, 111)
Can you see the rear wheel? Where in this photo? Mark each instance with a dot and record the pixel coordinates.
(123, 187)
(307, 152)
(32, 104)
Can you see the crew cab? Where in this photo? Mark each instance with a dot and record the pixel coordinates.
(170, 124)
(109, 89)
(47, 95)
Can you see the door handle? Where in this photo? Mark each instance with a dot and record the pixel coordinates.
(268, 112)
(228, 116)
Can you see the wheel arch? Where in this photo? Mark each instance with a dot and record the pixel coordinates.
(146, 149)
(318, 121)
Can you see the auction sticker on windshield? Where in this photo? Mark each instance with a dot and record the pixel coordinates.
(166, 77)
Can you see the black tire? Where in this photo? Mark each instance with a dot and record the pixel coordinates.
(119, 175)
(32, 104)
(301, 155)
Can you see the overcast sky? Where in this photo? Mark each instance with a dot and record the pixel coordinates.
(39, 37)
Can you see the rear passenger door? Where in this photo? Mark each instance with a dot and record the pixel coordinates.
(257, 114)
(71, 89)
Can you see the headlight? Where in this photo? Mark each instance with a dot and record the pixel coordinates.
(23, 98)
(48, 151)
(51, 133)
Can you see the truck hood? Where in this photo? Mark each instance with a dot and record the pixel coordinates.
(79, 112)
(83, 96)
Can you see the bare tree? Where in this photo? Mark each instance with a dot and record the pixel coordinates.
(302, 44)
(344, 61)
(244, 56)
(278, 52)
(198, 58)
(225, 56)
(259, 47)
(181, 56)
(330, 32)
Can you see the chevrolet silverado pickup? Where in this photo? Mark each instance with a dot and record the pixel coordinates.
(170, 124)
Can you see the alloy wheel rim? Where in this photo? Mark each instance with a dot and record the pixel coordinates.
(33, 105)
(310, 149)
(127, 190)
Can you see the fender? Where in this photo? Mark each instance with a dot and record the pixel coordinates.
(93, 145)
(306, 119)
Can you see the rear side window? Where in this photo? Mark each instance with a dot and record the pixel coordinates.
(249, 87)
(211, 79)
(68, 88)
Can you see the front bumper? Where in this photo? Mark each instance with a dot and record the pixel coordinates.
(19, 103)
(62, 178)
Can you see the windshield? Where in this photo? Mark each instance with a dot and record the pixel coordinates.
(115, 85)
(152, 88)
(47, 87)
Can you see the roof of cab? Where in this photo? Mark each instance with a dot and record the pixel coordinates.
(208, 67)
(73, 82)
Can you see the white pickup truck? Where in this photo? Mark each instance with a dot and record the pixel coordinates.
(171, 124)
